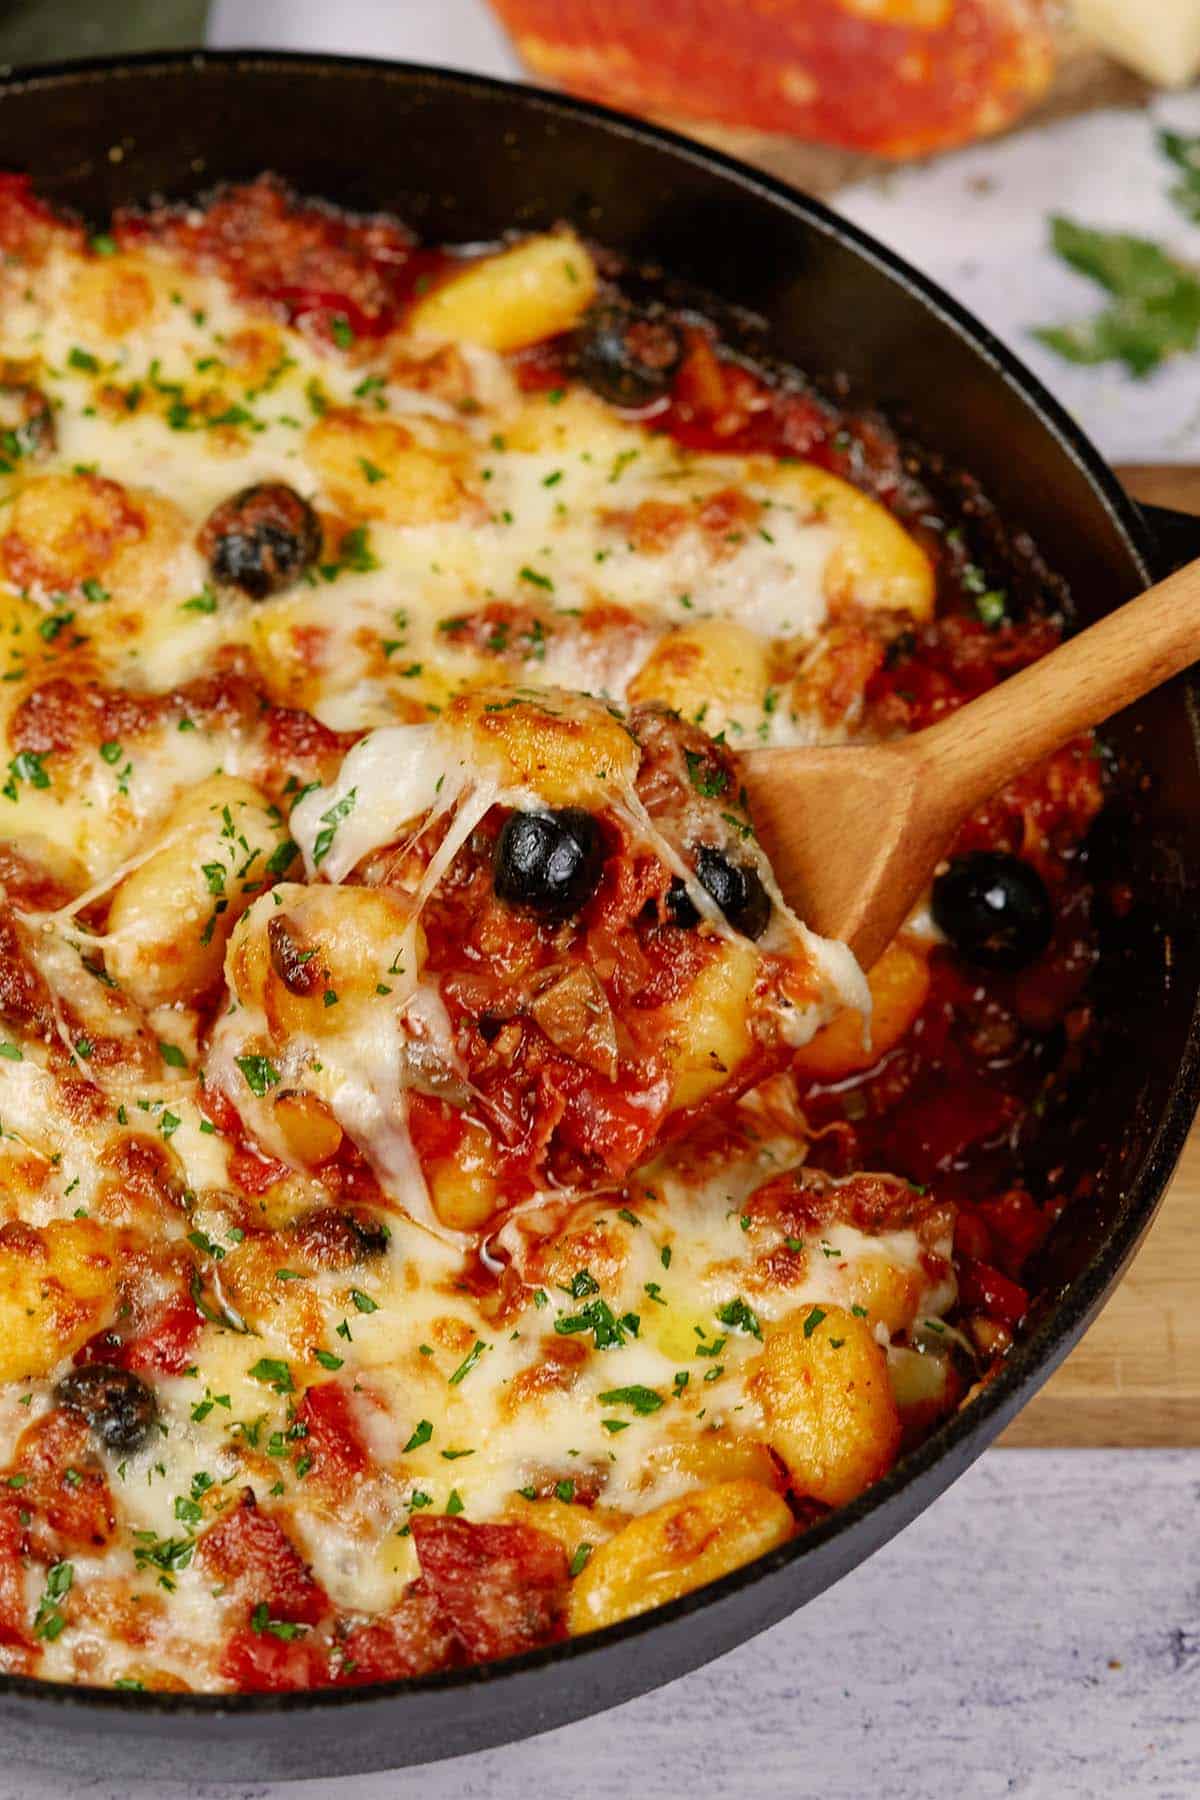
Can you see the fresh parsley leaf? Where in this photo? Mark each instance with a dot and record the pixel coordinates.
(643, 1400)
(739, 1315)
(1155, 311)
(275, 1373)
(1184, 152)
(260, 1074)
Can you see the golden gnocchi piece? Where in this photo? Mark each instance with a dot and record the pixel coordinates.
(289, 1310)
(56, 1288)
(463, 1189)
(171, 918)
(714, 1035)
(876, 564)
(377, 469)
(677, 1547)
(571, 750)
(299, 944)
(888, 1294)
(712, 1457)
(710, 672)
(571, 1525)
(534, 290)
(822, 1383)
(899, 984)
(114, 295)
(67, 529)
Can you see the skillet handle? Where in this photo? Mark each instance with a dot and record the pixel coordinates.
(1176, 536)
(1167, 495)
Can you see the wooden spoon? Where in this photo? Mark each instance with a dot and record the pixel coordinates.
(855, 832)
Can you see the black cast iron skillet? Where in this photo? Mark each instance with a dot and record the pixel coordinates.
(462, 159)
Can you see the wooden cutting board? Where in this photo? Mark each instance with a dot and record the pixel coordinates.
(1135, 1378)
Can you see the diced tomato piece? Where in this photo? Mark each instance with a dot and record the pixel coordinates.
(250, 1551)
(264, 1663)
(503, 1588)
(435, 1128)
(163, 1344)
(937, 1127)
(332, 1443)
(167, 1342)
(1018, 1227)
(981, 1288)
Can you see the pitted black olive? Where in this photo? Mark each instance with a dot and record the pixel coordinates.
(261, 539)
(994, 908)
(371, 1234)
(680, 906)
(548, 861)
(119, 1407)
(737, 890)
(27, 430)
(625, 356)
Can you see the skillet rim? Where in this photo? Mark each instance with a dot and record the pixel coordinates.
(960, 1439)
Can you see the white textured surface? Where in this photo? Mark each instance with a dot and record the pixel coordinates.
(1037, 1634)
(977, 223)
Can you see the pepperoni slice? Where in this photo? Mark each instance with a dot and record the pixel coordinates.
(502, 1588)
(262, 1662)
(415, 1638)
(63, 1486)
(250, 1552)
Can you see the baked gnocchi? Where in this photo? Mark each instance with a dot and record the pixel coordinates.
(450, 1201)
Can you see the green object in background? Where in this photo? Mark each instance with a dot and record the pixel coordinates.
(1155, 310)
(38, 31)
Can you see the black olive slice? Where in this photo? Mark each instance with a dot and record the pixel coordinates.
(119, 1406)
(737, 889)
(261, 539)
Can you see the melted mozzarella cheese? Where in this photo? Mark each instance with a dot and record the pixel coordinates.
(373, 643)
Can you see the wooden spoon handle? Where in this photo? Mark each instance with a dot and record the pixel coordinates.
(1086, 680)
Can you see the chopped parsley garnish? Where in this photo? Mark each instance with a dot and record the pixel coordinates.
(172, 1055)
(421, 1435)
(1184, 152)
(643, 1400)
(813, 1320)
(275, 1373)
(706, 776)
(363, 1302)
(49, 1620)
(281, 858)
(607, 1330)
(259, 1073)
(203, 602)
(341, 809)
(468, 1362)
(737, 1314)
(262, 1623)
